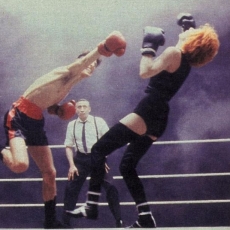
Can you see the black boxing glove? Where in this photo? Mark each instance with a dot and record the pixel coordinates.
(153, 38)
(186, 21)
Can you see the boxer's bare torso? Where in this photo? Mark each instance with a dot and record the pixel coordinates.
(53, 87)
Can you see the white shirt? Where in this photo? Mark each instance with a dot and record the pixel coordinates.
(90, 132)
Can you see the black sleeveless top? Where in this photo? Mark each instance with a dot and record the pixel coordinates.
(167, 84)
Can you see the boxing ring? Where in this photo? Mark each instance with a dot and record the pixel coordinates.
(127, 204)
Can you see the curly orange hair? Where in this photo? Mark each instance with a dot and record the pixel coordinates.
(201, 46)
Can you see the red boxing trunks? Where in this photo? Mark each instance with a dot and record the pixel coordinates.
(25, 120)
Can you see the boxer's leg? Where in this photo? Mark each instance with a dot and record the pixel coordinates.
(16, 158)
(134, 152)
(44, 160)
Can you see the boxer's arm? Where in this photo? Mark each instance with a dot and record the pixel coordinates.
(169, 61)
(82, 63)
(114, 44)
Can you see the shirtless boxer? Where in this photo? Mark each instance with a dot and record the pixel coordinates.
(24, 122)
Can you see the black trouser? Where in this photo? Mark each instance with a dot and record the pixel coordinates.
(73, 187)
(118, 136)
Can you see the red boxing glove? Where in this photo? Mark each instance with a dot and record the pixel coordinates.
(114, 43)
(67, 110)
(103, 50)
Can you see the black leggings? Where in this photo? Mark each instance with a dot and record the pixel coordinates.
(134, 152)
(118, 136)
(112, 198)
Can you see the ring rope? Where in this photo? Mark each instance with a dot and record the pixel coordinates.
(124, 203)
(191, 141)
(120, 177)
(171, 142)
